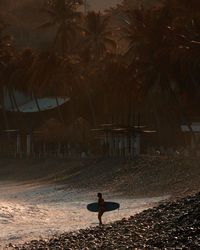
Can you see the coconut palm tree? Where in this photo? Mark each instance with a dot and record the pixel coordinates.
(51, 75)
(36, 75)
(6, 47)
(162, 41)
(17, 73)
(187, 28)
(96, 43)
(151, 44)
(186, 62)
(114, 84)
(97, 36)
(63, 17)
(6, 54)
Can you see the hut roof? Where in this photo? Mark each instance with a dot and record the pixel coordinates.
(53, 131)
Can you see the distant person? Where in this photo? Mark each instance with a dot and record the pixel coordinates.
(101, 207)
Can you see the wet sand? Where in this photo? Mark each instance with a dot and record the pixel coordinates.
(40, 198)
(29, 211)
(173, 225)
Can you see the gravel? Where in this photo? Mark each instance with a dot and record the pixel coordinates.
(173, 225)
(145, 176)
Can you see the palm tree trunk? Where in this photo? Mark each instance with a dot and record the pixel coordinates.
(59, 111)
(105, 108)
(5, 116)
(92, 109)
(36, 101)
(15, 102)
(130, 109)
(155, 111)
(38, 106)
(11, 100)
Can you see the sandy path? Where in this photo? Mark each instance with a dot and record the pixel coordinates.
(29, 211)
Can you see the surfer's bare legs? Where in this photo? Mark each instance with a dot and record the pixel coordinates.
(99, 217)
(101, 207)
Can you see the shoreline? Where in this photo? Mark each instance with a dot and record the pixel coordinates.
(24, 207)
(142, 178)
(171, 225)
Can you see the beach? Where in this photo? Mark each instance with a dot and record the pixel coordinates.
(29, 212)
(40, 201)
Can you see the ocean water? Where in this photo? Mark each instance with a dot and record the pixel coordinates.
(29, 211)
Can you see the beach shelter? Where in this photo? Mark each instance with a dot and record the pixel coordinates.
(52, 131)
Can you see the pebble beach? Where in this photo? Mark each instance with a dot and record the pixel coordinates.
(174, 225)
(159, 198)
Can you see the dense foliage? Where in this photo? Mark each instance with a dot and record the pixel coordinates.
(131, 59)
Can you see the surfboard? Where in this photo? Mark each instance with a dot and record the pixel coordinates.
(108, 205)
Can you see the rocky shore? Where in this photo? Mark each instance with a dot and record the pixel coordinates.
(145, 176)
(173, 225)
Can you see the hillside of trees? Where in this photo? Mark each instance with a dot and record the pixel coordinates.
(133, 59)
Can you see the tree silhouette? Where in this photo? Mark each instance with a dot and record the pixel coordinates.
(63, 16)
(97, 36)
(6, 55)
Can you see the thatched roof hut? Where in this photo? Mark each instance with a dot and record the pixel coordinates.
(79, 131)
(52, 131)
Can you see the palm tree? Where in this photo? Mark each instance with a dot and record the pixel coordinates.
(51, 75)
(96, 43)
(64, 17)
(97, 36)
(188, 41)
(57, 79)
(17, 73)
(161, 41)
(114, 83)
(6, 54)
(36, 75)
(186, 58)
(151, 43)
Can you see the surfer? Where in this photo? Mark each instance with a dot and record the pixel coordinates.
(101, 207)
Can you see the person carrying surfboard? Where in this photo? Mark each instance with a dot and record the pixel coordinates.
(101, 207)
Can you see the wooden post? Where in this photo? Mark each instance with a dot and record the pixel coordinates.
(137, 144)
(120, 146)
(126, 146)
(44, 149)
(132, 147)
(28, 146)
(116, 146)
(40, 151)
(18, 145)
(32, 149)
(110, 146)
(123, 146)
(113, 145)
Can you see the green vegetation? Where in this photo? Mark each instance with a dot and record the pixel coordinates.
(132, 59)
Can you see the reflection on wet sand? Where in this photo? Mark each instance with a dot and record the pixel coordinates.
(33, 211)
